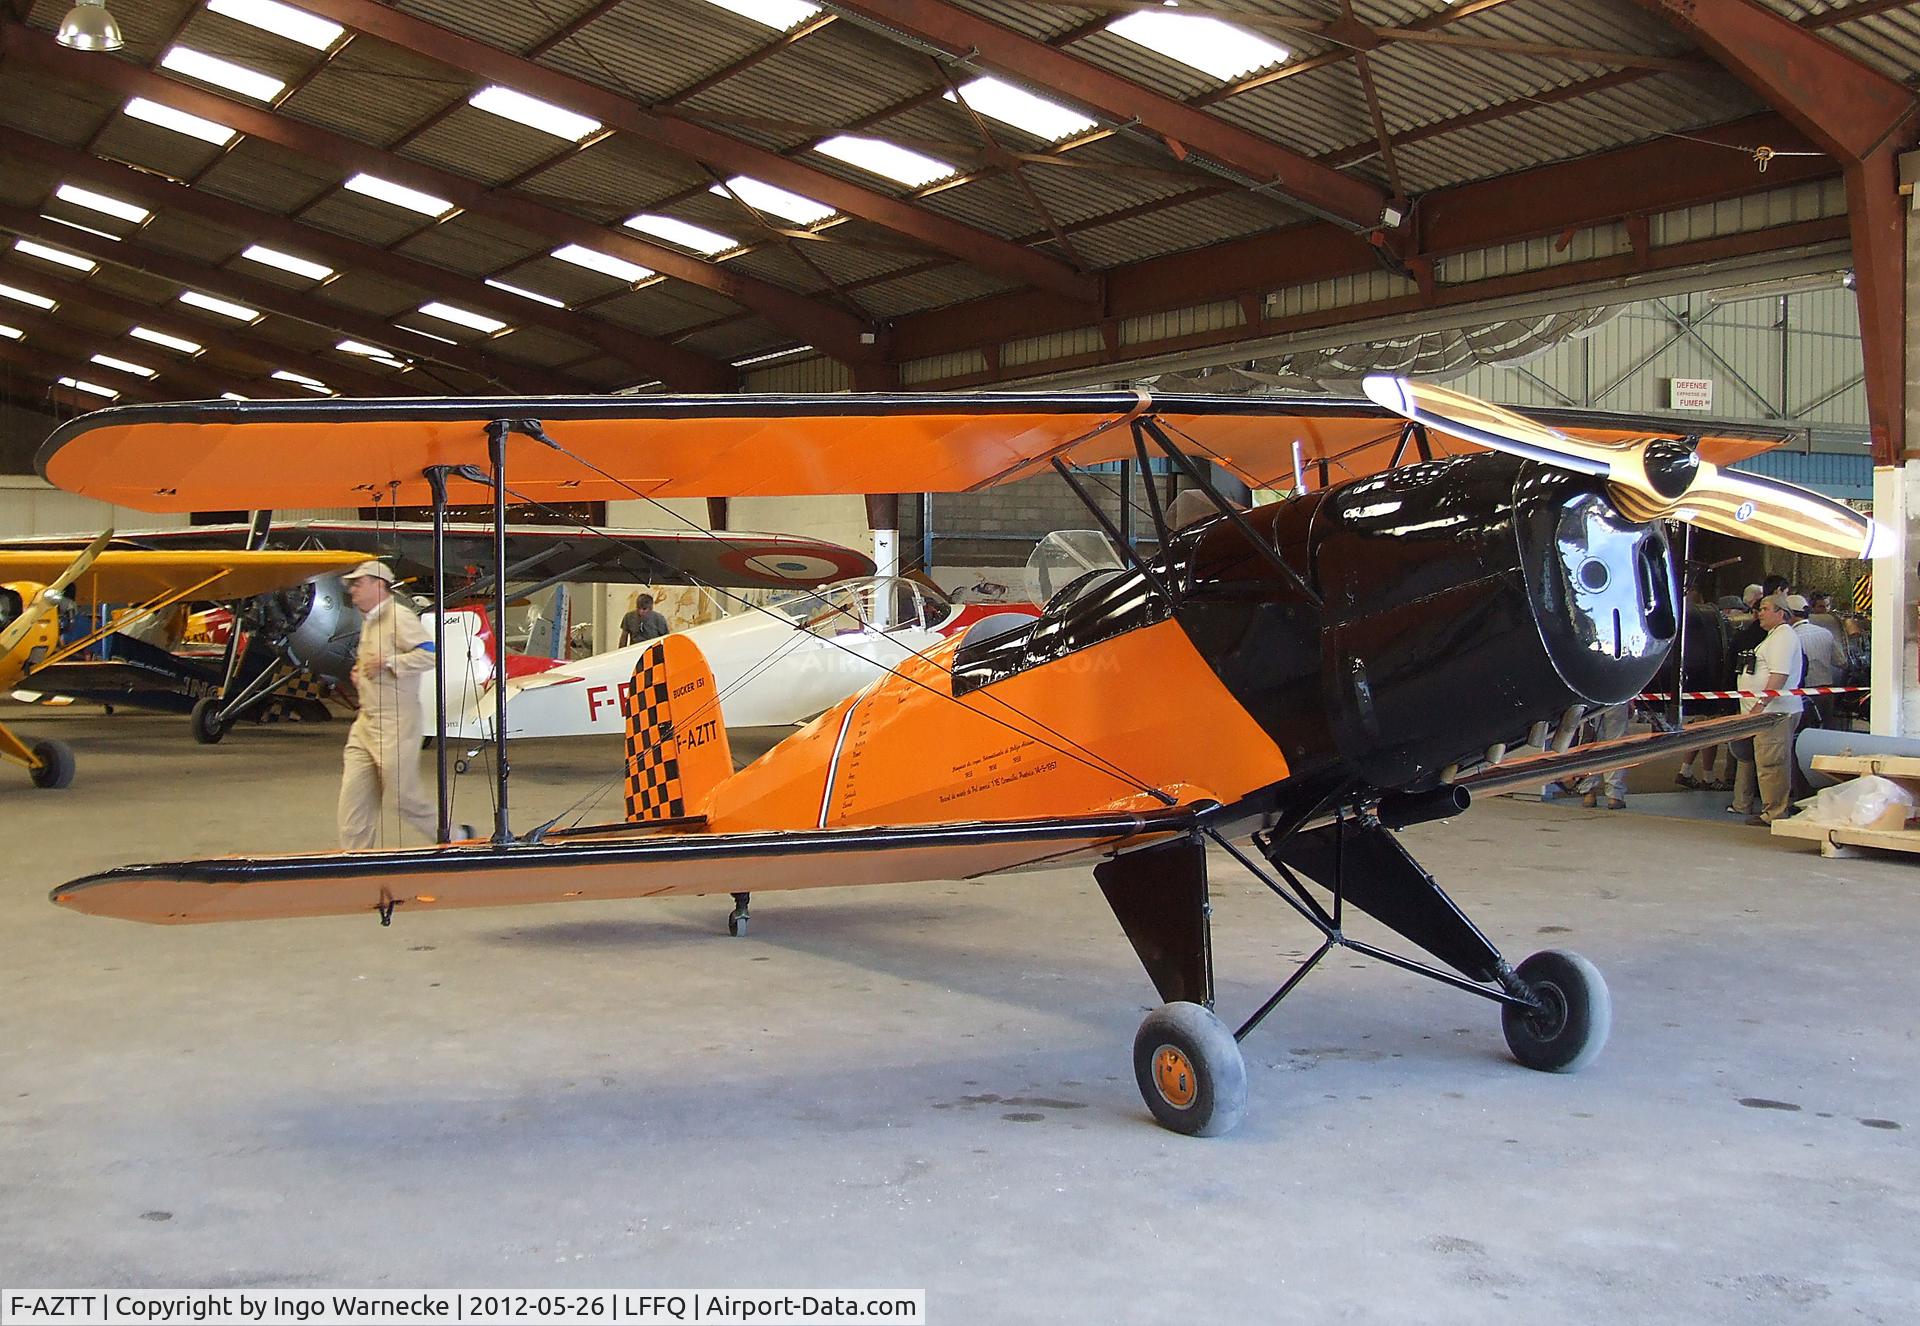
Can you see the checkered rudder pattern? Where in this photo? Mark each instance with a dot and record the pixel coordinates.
(654, 789)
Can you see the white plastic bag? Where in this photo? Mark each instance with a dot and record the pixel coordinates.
(1868, 801)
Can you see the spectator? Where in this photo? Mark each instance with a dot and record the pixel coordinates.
(642, 623)
(1776, 664)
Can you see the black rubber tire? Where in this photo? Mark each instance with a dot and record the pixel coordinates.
(205, 721)
(736, 925)
(1205, 1091)
(56, 763)
(460, 766)
(1579, 1014)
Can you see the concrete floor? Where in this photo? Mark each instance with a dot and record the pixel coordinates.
(928, 1087)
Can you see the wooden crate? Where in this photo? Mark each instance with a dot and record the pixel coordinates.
(1838, 840)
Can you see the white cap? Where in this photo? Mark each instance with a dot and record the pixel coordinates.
(1796, 603)
(370, 571)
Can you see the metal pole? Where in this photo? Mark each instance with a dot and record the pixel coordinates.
(1680, 641)
(497, 455)
(437, 479)
(1126, 502)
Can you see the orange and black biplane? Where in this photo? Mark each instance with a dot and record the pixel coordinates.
(1445, 582)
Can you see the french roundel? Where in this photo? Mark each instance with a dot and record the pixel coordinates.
(779, 567)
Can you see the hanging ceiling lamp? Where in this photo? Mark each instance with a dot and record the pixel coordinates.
(89, 27)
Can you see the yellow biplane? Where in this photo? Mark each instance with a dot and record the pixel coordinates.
(34, 585)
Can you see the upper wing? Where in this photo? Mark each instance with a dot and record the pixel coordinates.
(204, 455)
(625, 861)
(119, 576)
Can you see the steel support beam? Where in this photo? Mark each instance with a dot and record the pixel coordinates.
(271, 298)
(1266, 165)
(251, 344)
(52, 368)
(1863, 118)
(46, 332)
(675, 364)
(1659, 176)
(681, 368)
(1596, 271)
(698, 143)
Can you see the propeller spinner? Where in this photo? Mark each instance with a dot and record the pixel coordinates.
(1650, 478)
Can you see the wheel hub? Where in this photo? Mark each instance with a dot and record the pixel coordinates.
(1174, 1078)
(1551, 1018)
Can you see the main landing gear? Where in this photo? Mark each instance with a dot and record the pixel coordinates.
(737, 918)
(1554, 1007)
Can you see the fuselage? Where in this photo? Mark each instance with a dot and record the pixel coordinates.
(1447, 608)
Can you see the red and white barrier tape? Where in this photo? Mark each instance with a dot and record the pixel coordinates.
(1754, 695)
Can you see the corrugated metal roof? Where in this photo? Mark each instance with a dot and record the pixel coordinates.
(268, 177)
(375, 93)
(652, 50)
(193, 238)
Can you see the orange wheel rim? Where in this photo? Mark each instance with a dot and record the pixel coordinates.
(1173, 1076)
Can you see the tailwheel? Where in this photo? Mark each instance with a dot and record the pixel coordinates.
(737, 918)
(53, 765)
(205, 721)
(1190, 1070)
(1576, 1012)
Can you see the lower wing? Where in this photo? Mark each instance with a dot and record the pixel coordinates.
(616, 861)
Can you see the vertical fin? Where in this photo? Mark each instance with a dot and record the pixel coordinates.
(677, 749)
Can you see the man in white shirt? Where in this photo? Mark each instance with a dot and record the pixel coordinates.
(1825, 656)
(383, 749)
(1776, 665)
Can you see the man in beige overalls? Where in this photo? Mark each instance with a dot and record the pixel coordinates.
(383, 749)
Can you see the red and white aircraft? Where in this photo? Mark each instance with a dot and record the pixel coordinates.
(775, 665)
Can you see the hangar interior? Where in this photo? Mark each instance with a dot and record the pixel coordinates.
(1696, 218)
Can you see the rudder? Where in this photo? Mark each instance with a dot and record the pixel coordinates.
(677, 749)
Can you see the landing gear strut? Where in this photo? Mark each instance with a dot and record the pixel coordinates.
(1554, 1007)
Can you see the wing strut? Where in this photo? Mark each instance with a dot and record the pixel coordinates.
(1199, 479)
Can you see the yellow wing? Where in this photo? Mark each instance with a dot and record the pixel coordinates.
(123, 576)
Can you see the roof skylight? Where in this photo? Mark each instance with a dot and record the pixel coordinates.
(1207, 44)
(222, 73)
(1021, 109)
(123, 365)
(281, 20)
(93, 387)
(99, 202)
(770, 198)
(480, 322)
(534, 113)
(234, 396)
(207, 131)
(179, 343)
(20, 296)
(686, 236)
(75, 225)
(11, 333)
(301, 379)
(225, 308)
(286, 262)
(595, 261)
(770, 356)
(534, 295)
(780, 15)
(373, 352)
(399, 195)
(47, 253)
(885, 159)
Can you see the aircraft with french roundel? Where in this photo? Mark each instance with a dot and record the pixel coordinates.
(1446, 583)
